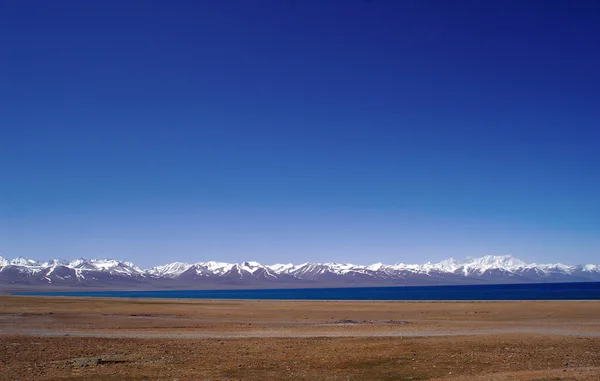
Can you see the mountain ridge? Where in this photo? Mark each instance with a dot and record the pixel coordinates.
(210, 274)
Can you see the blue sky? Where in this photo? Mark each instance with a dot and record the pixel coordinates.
(305, 130)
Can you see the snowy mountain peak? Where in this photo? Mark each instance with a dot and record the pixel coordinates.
(218, 268)
(376, 266)
(77, 262)
(251, 267)
(20, 261)
(110, 266)
(507, 262)
(170, 270)
(450, 265)
(281, 268)
(56, 262)
(499, 269)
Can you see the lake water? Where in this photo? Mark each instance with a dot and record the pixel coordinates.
(543, 291)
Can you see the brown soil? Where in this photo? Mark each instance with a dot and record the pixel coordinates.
(106, 339)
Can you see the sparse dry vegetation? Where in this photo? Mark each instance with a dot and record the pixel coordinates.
(104, 339)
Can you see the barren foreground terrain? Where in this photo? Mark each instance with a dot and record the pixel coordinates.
(151, 339)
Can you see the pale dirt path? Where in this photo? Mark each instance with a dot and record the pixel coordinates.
(128, 334)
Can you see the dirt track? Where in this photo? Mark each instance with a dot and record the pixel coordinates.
(291, 334)
(252, 340)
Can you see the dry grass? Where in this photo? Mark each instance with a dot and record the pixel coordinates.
(26, 354)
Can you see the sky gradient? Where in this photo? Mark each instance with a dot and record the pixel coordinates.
(300, 130)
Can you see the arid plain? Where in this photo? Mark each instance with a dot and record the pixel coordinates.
(48, 338)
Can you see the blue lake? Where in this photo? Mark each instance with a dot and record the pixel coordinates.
(538, 291)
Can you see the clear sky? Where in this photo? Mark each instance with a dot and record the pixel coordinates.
(300, 130)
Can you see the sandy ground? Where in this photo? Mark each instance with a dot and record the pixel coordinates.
(133, 339)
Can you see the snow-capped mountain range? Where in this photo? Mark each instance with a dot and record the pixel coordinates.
(118, 274)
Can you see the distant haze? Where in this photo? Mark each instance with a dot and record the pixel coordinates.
(327, 131)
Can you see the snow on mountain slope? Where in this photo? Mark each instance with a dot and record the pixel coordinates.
(170, 270)
(110, 266)
(20, 261)
(490, 262)
(217, 268)
(281, 268)
(489, 268)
